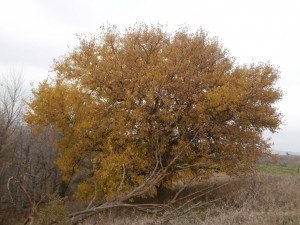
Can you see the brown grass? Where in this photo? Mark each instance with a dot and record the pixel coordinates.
(263, 199)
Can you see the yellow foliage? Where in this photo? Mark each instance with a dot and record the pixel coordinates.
(117, 98)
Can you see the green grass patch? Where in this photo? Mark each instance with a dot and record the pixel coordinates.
(278, 169)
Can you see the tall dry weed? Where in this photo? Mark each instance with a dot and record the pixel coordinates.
(262, 199)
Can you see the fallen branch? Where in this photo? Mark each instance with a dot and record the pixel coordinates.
(33, 211)
(94, 198)
(176, 207)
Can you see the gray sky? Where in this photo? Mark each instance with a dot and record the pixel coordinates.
(34, 32)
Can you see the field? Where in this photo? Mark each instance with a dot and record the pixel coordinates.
(275, 169)
(263, 199)
(269, 197)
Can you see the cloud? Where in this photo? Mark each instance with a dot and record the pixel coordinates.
(34, 32)
(66, 12)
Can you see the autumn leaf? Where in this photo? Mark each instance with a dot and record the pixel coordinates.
(118, 97)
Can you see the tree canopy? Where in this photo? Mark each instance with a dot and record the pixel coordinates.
(121, 102)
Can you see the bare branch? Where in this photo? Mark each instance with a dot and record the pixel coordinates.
(26, 194)
(158, 153)
(183, 188)
(94, 198)
(156, 176)
(123, 179)
(11, 91)
(9, 192)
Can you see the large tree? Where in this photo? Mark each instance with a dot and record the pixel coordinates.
(122, 102)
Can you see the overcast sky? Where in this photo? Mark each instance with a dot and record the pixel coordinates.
(34, 32)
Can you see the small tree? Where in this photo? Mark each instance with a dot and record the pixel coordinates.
(123, 102)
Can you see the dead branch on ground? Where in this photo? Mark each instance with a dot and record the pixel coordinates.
(177, 206)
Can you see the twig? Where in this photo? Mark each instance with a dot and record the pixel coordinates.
(33, 212)
(156, 176)
(123, 179)
(94, 198)
(9, 192)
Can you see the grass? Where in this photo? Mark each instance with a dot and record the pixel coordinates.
(276, 169)
(262, 199)
(270, 197)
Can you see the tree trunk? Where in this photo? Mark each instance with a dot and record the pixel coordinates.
(162, 193)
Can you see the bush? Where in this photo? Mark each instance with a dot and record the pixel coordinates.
(54, 212)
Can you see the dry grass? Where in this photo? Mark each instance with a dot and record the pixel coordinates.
(264, 199)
